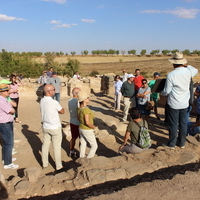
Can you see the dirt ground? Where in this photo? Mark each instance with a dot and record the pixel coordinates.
(28, 142)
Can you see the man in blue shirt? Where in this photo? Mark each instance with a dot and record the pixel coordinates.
(177, 89)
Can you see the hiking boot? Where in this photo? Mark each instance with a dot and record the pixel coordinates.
(11, 166)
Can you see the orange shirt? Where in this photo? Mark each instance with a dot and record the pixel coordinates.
(138, 81)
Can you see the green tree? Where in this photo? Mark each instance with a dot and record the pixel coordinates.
(186, 52)
(174, 51)
(143, 52)
(72, 66)
(49, 58)
(117, 52)
(132, 52)
(73, 53)
(153, 52)
(196, 52)
(85, 52)
(165, 51)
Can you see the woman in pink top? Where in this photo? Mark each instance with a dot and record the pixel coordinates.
(14, 94)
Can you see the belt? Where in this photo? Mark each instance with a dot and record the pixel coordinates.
(7, 123)
(127, 97)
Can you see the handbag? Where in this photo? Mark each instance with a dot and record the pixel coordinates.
(150, 105)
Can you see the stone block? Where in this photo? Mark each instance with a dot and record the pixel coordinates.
(62, 176)
(158, 165)
(22, 187)
(137, 169)
(80, 183)
(188, 158)
(192, 140)
(101, 162)
(115, 174)
(32, 173)
(96, 176)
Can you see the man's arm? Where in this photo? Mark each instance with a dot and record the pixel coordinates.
(12, 111)
(62, 111)
(126, 137)
(122, 89)
(193, 70)
(168, 87)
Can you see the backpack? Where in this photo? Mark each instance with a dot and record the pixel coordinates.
(144, 136)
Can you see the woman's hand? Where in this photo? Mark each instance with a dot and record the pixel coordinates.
(120, 148)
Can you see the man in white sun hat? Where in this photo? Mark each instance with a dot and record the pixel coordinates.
(177, 89)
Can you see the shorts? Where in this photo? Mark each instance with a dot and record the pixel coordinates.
(74, 131)
(155, 102)
(142, 110)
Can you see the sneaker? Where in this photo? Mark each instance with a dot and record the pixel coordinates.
(11, 166)
(14, 152)
(182, 147)
(13, 159)
(168, 147)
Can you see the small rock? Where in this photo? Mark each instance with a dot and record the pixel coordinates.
(32, 173)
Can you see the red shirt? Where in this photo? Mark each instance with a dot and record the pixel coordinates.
(138, 81)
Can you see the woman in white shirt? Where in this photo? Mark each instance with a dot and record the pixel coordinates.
(118, 84)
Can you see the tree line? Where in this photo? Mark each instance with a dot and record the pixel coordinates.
(103, 52)
(23, 63)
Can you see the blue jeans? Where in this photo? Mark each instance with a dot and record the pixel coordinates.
(6, 130)
(57, 97)
(177, 120)
(192, 131)
(188, 113)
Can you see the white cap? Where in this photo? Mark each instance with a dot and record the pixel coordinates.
(130, 76)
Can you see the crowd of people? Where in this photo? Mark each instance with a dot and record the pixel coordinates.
(136, 93)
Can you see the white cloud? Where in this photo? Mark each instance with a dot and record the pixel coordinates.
(57, 1)
(9, 18)
(179, 12)
(55, 22)
(88, 20)
(151, 11)
(65, 25)
(184, 13)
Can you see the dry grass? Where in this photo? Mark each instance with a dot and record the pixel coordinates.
(115, 64)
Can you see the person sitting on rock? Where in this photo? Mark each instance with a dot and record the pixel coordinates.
(193, 128)
(132, 132)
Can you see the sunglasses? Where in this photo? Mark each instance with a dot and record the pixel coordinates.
(144, 83)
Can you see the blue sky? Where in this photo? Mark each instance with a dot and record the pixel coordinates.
(77, 25)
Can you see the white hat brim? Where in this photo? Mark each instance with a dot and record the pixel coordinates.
(176, 61)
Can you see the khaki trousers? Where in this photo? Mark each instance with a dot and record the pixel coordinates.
(128, 103)
(54, 135)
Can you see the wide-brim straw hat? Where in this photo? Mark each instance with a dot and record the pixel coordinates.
(3, 87)
(82, 95)
(178, 58)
